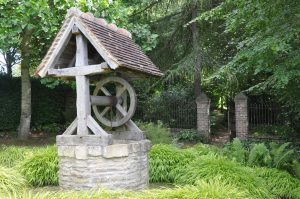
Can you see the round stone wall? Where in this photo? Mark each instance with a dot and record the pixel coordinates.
(84, 163)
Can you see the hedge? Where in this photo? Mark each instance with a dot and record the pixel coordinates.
(48, 105)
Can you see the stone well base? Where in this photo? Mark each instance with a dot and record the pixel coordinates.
(84, 163)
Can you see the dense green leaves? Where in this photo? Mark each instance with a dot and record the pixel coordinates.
(266, 38)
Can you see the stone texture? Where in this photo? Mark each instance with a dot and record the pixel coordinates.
(241, 116)
(122, 165)
(203, 116)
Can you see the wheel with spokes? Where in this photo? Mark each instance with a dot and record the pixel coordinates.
(113, 101)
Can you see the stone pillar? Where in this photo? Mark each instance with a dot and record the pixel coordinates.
(87, 162)
(203, 116)
(241, 116)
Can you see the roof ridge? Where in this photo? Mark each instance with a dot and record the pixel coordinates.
(101, 21)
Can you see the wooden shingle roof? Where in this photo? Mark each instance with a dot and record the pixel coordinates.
(113, 44)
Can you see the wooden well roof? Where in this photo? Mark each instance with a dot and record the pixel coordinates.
(113, 44)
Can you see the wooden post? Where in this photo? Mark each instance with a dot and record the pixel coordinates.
(82, 87)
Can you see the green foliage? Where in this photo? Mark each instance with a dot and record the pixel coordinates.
(41, 168)
(10, 156)
(236, 151)
(259, 155)
(189, 135)
(47, 104)
(282, 157)
(163, 160)
(157, 133)
(276, 130)
(265, 39)
(211, 167)
(280, 183)
(11, 181)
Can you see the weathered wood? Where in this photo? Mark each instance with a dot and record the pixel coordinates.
(75, 30)
(112, 62)
(60, 47)
(131, 126)
(72, 128)
(94, 126)
(72, 62)
(80, 70)
(122, 115)
(82, 87)
(104, 100)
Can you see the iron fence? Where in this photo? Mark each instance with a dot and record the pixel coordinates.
(264, 114)
(175, 114)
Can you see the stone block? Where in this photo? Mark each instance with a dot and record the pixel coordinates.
(94, 150)
(115, 151)
(67, 151)
(110, 166)
(81, 152)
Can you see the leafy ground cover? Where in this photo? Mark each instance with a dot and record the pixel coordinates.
(201, 171)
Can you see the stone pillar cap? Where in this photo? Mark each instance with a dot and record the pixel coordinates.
(202, 97)
(240, 96)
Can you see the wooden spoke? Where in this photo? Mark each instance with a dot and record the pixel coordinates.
(105, 110)
(124, 101)
(121, 110)
(105, 91)
(121, 91)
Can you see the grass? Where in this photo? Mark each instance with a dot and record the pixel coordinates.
(202, 171)
(41, 168)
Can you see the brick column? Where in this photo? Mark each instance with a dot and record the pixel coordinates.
(241, 116)
(203, 116)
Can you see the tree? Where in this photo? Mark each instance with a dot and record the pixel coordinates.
(265, 37)
(183, 48)
(30, 26)
(10, 58)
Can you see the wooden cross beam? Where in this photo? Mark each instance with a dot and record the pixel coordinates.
(84, 121)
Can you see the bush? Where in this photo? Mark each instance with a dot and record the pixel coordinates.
(259, 156)
(216, 167)
(41, 168)
(157, 133)
(236, 151)
(10, 156)
(280, 183)
(189, 135)
(164, 159)
(47, 104)
(11, 181)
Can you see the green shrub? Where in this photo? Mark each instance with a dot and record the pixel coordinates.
(211, 189)
(48, 105)
(282, 157)
(189, 135)
(164, 159)
(236, 151)
(41, 168)
(280, 183)
(259, 156)
(10, 156)
(157, 133)
(11, 181)
(216, 167)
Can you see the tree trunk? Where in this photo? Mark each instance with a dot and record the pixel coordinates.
(195, 33)
(25, 119)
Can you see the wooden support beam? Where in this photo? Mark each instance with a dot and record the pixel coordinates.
(94, 126)
(63, 42)
(80, 70)
(71, 129)
(83, 103)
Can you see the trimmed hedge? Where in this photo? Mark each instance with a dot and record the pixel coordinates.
(48, 105)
